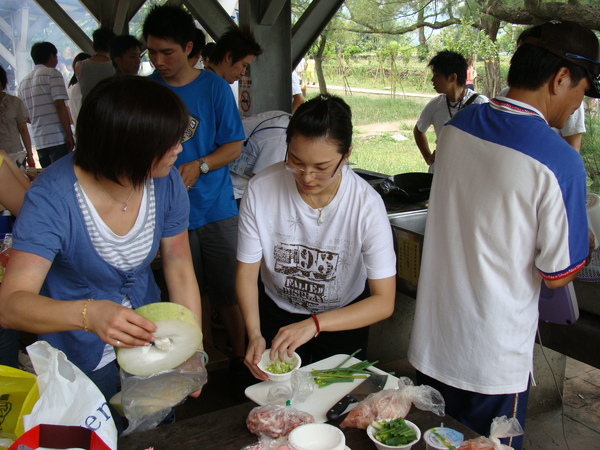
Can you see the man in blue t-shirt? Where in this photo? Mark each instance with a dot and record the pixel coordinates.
(213, 139)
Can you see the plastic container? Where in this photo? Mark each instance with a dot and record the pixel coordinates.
(266, 361)
(381, 446)
(442, 438)
(317, 436)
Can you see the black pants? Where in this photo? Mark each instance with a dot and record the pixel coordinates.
(327, 344)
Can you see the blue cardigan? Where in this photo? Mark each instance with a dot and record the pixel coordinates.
(51, 225)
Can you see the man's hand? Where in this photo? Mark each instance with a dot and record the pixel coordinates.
(190, 172)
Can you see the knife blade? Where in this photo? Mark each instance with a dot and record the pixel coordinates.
(374, 383)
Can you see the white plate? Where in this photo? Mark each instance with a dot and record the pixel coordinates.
(322, 399)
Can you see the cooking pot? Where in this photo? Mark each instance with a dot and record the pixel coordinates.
(410, 187)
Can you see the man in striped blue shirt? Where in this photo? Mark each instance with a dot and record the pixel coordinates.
(44, 93)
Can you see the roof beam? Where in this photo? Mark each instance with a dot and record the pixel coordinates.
(8, 56)
(273, 10)
(218, 21)
(5, 27)
(68, 25)
(93, 7)
(311, 24)
(120, 24)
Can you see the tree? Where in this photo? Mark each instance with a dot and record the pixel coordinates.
(486, 17)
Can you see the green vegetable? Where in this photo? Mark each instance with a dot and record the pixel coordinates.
(339, 374)
(279, 366)
(395, 432)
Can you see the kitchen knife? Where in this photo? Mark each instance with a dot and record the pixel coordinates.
(372, 384)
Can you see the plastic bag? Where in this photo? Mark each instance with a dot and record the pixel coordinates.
(18, 394)
(67, 395)
(146, 401)
(502, 427)
(302, 386)
(394, 403)
(274, 421)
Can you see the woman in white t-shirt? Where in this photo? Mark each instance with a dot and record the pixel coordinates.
(321, 239)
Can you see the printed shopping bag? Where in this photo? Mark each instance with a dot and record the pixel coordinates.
(67, 395)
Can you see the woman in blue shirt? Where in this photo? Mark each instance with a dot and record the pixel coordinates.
(93, 222)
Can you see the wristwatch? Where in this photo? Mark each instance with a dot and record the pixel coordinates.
(203, 166)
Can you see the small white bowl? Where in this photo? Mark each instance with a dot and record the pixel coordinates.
(381, 446)
(265, 361)
(317, 436)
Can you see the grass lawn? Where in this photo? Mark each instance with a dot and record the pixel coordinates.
(376, 149)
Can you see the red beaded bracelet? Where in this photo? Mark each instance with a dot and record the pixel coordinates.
(317, 324)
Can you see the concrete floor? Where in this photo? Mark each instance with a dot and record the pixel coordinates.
(575, 426)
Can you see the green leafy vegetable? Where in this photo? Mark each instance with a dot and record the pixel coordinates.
(279, 366)
(394, 433)
(339, 374)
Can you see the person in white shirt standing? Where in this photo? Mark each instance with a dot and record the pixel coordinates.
(506, 213)
(449, 78)
(44, 93)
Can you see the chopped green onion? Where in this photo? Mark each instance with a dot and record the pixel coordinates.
(339, 374)
(394, 432)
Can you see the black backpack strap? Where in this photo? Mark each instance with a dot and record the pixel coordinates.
(471, 99)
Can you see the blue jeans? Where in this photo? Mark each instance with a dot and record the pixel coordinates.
(9, 348)
(50, 154)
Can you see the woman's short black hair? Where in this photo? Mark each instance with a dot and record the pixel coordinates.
(324, 116)
(3, 78)
(79, 57)
(125, 125)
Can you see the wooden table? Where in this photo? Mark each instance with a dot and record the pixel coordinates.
(226, 429)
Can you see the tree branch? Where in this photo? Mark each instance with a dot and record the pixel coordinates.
(536, 12)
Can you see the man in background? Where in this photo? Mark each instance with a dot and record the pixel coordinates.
(44, 93)
(99, 66)
(449, 78)
(265, 144)
(197, 48)
(233, 54)
(126, 55)
(213, 139)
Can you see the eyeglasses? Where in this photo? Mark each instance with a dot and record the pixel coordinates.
(319, 175)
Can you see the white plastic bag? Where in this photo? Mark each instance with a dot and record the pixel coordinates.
(67, 395)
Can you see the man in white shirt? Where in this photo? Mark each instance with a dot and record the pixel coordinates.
(506, 214)
(449, 78)
(44, 93)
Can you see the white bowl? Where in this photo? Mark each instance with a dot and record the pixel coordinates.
(381, 446)
(265, 361)
(316, 436)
